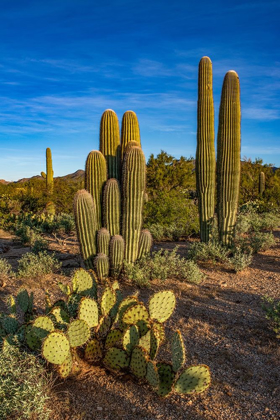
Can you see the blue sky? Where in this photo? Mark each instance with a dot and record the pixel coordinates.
(64, 62)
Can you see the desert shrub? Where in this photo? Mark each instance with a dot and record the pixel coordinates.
(212, 251)
(240, 260)
(32, 265)
(23, 385)
(162, 265)
(65, 223)
(171, 232)
(261, 241)
(272, 310)
(5, 269)
(250, 220)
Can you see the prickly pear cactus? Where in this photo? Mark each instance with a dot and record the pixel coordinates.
(162, 305)
(78, 333)
(138, 362)
(56, 348)
(166, 379)
(88, 311)
(195, 379)
(177, 351)
(116, 359)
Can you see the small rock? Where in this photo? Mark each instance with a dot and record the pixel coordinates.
(99, 408)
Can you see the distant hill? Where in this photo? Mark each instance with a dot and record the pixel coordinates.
(74, 177)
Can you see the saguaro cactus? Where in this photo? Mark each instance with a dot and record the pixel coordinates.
(261, 183)
(49, 171)
(109, 141)
(133, 189)
(228, 160)
(145, 243)
(95, 178)
(116, 254)
(103, 240)
(112, 206)
(130, 130)
(205, 153)
(86, 224)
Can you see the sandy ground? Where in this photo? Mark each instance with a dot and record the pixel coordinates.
(223, 326)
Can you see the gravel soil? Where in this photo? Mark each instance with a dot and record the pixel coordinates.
(223, 326)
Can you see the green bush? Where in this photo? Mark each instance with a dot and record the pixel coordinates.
(32, 265)
(162, 265)
(240, 260)
(5, 269)
(23, 385)
(212, 252)
(272, 310)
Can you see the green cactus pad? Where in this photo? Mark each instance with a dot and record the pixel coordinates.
(143, 327)
(115, 308)
(145, 341)
(78, 333)
(125, 303)
(154, 343)
(161, 305)
(138, 362)
(116, 359)
(23, 300)
(60, 315)
(152, 374)
(195, 379)
(88, 311)
(135, 313)
(10, 324)
(104, 326)
(84, 283)
(93, 351)
(65, 369)
(42, 326)
(113, 338)
(108, 300)
(31, 338)
(166, 379)
(130, 338)
(159, 328)
(177, 351)
(115, 285)
(56, 348)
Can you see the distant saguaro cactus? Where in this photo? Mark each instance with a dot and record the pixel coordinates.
(205, 162)
(261, 183)
(228, 160)
(109, 142)
(133, 189)
(95, 178)
(48, 176)
(130, 131)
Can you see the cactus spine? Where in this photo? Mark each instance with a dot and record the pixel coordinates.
(130, 131)
(133, 188)
(86, 224)
(205, 152)
(261, 183)
(95, 178)
(109, 141)
(112, 206)
(228, 160)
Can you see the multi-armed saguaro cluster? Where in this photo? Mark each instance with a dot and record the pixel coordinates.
(228, 156)
(108, 212)
(48, 176)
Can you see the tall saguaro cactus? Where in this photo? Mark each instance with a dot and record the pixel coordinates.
(95, 178)
(112, 207)
(261, 183)
(109, 142)
(133, 189)
(49, 171)
(130, 130)
(228, 160)
(205, 153)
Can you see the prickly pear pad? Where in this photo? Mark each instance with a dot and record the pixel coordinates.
(135, 313)
(152, 374)
(31, 338)
(124, 305)
(104, 326)
(93, 351)
(10, 324)
(166, 378)
(177, 351)
(194, 379)
(138, 362)
(145, 341)
(78, 333)
(116, 359)
(82, 282)
(130, 338)
(113, 338)
(61, 316)
(88, 311)
(65, 368)
(56, 347)
(161, 305)
(23, 300)
(108, 300)
(154, 343)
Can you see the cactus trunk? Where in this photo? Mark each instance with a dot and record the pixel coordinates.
(109, 141)
(86, 224)
(228, 160)
(112, 207)
(49, 171)
(95, 178)
(205, 153)
(261, 183)
(134, 181)
(116, 254)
